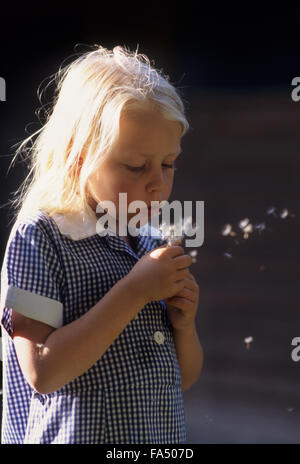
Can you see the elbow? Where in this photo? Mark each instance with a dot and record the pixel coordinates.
(34, 383)
(46, 384)
(185, 387)
(40, 388)
(43, 388)
(41, 383)
(37, 383)
(43, 379)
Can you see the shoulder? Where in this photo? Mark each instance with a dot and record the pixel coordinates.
(35, 226)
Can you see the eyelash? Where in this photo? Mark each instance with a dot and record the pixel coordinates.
(140, 168)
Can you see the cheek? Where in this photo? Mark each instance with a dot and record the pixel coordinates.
(123, 186)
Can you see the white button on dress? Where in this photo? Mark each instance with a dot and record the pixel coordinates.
(159, 337)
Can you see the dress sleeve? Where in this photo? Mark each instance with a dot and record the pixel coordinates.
(31, 278)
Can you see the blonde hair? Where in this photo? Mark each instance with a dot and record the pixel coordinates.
(89, 97)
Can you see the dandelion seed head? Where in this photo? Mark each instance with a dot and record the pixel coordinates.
(178, 230)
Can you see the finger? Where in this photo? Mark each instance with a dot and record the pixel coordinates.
(191, 284)
(175, 251)
(182, 303)
(182, 274)
(187, 294)
(183, 262)
(178, 241)
(192, 278)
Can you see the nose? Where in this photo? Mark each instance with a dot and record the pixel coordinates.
(156, 181)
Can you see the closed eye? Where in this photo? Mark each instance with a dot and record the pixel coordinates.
(140, 168)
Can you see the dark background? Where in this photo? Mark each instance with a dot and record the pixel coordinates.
(241, 156)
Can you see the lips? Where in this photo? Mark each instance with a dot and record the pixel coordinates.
(153, 210)
(149, 205)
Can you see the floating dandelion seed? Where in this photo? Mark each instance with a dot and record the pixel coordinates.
(193, 254)
(228, 255)
(260, 227)
(243, 223)
(284, 213)
(226, 230)
(271, 211)
(247, 230)
(246, 226)
(248, 340)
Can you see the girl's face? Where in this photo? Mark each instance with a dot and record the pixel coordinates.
(140, 162)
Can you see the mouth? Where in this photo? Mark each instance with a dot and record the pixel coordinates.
(154, 201)
(154, 210)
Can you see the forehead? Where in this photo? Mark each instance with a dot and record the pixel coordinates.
(148, 133)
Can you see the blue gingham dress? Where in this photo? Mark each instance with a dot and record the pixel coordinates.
(132, 394)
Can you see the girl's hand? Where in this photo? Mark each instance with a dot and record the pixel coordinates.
(160, 273)
(182, 307)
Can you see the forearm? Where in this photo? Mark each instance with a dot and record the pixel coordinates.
(72, 349)
(190, 355)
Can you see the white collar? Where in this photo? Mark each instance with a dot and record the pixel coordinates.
(76, 225)
(81, 225)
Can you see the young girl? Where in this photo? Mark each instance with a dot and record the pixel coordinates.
(99, 337)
